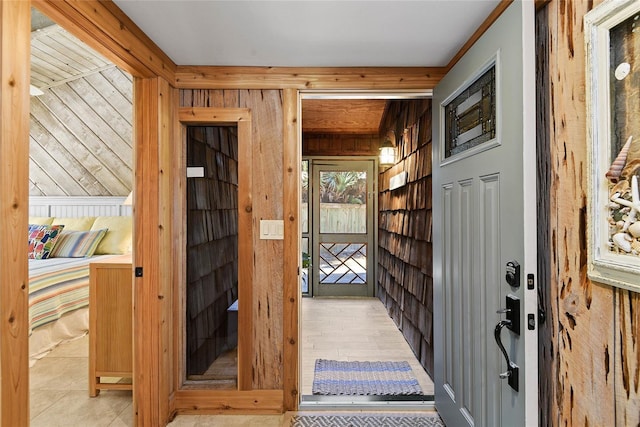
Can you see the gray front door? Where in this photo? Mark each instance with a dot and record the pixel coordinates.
(484, 229)
(343, 226)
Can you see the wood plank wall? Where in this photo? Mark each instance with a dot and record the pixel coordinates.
(81, 137)
(212, 243)
(314, 144)
(267, 121)
(589, 344)
(405, 266)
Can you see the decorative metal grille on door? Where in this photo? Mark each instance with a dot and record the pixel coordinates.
(343, 263)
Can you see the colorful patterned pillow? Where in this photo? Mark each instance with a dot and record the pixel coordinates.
(77, 244)
(42, 239)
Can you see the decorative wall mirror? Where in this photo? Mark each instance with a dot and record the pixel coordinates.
(612, 32)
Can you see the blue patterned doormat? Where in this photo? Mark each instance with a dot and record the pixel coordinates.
(368, 420)
(341, 378)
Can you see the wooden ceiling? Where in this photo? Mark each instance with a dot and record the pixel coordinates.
(346, 116)
(57, 57)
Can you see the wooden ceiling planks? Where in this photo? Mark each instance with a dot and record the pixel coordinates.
(58, 57)
(81, 137)
(352, 116)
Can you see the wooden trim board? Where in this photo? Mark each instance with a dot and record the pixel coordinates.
(352, 78)
(14, 178)
(502, 6)
(226, 402)
(104, 27)
(292, 254)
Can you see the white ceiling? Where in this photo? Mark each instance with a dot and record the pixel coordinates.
(309, 33)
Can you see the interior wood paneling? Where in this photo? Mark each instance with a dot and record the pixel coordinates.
(340, 144)
(14, 176)
(588, 356)
(81, 137)
(266, 110)
(154, 251)
(58, 57)
(267, 203)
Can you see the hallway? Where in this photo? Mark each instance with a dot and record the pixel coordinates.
(352, 329)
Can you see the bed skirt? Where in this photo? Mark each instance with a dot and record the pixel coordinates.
(69, 327)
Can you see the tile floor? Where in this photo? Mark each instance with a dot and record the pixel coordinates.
(60, 392)
(352, 329)
(343, 329)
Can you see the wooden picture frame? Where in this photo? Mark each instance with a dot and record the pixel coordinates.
(613, 73)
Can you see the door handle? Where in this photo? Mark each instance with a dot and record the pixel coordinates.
(512, 369)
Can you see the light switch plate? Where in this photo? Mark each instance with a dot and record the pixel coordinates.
(271, 229)
(195, 172)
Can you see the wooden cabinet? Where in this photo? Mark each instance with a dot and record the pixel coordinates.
(110, 323)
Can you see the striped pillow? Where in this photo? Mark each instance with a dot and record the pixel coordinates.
(77, 244)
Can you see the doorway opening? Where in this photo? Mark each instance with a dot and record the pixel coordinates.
(81, 177)
(211, 320)
(340, 227)
(366, 261)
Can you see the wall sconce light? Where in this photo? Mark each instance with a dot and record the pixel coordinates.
(387, 153)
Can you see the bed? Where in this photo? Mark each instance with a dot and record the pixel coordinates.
(58, 302)
(61, 249)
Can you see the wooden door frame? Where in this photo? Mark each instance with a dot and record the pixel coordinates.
(190, 399)
(14, 207)
(104, 27)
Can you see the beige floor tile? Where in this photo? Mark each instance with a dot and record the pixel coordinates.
(76, 408)
(76, 348)
(41, 400)
(124, 418)
(60, 373)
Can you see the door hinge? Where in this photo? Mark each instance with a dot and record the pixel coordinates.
(138, 271)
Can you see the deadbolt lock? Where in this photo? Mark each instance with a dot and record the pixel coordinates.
(512, 275)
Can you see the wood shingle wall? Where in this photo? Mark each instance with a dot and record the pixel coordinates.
(405, 282)
(212, 243)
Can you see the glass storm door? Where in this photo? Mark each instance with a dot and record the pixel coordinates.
(343, 228)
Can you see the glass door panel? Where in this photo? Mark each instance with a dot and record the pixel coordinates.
(343, 263)
(342, 220)
(304, 216)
